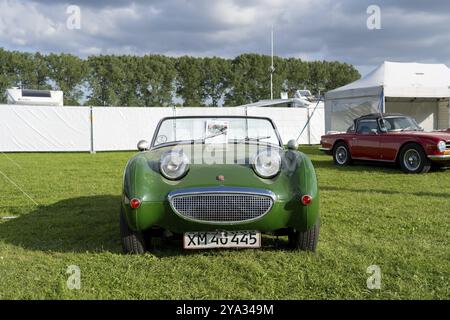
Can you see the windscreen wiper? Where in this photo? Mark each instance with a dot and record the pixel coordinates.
(215, 135)
(256, 138)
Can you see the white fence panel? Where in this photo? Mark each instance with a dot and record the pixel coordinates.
(120, 128)
(205, 111)
(316, 125)
(37, 128)
(32, 128)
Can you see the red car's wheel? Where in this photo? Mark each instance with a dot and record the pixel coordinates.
(413, 159)
(341, 154)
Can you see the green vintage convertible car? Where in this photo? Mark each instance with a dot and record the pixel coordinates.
(218, 182)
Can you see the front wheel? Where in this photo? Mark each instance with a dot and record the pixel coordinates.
(305, 240)
(413, 159)
(341, 154)
(133, 242)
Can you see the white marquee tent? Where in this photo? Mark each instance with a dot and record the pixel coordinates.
(416, 89)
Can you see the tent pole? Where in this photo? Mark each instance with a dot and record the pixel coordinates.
(309, 127)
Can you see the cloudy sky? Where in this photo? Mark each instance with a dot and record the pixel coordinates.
(411, 30)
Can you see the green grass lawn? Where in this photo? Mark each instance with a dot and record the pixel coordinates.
(370, 216)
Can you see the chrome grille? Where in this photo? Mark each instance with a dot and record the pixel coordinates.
(221, 207)
(447, 145)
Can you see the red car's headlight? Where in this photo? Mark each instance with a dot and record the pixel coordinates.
(441, 146)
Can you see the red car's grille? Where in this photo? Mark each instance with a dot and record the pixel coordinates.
(447, 145)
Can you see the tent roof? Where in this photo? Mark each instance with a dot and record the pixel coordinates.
(399, 79)
(297, 103)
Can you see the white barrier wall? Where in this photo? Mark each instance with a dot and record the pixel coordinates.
(316, 126)
(37, 128)
(122, 127)
(289, 121)
(225, 111)
(32, 128)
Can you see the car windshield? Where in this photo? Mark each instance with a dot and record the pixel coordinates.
(216, 130)
(400, 124)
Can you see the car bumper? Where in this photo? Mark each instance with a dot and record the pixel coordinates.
(282, 214)
(440, 157)
(326, 150)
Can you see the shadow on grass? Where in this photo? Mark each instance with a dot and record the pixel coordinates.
(358, 166)
(365, 165)
(169, 247)
(389, 192)
(71, 225)
(89, 224)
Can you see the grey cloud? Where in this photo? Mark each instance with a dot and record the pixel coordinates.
(322, 29)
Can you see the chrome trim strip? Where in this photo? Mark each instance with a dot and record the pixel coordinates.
(325, 149)
(220, 191)
(439, 157)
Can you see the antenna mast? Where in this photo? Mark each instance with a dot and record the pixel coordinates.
(272, 69)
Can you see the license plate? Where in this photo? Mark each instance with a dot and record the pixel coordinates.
(222, 239)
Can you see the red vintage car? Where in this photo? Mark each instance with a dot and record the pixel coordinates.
(392, 138)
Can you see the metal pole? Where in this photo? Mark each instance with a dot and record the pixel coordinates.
(91, 118)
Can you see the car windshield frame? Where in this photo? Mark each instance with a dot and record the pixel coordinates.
(164, 144)
(411, 120)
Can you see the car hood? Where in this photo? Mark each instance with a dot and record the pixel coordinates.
(237, 173)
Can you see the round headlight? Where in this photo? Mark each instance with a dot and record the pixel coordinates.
(441, 146)
(267, 163)
(174, 165)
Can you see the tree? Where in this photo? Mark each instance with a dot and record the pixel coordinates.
(108, 80)
(68, 72)
(216, 73)
(5, 73)
(297, 75)
(340, 74)
(189, 80)
(250, 81)
(318, 76)
(28, 70)
(155, 80)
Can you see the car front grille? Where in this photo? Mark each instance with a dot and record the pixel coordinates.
(447, 145)
(221, 207)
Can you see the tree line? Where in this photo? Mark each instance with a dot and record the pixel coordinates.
(158, 80)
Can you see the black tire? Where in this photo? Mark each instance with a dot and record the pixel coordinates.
(305, 240)
(132, 241)
(341, 154)
(413, 159)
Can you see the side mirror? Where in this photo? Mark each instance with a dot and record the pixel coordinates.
(143, 145)
(292, 144)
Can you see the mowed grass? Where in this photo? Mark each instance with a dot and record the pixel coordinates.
(370, 215)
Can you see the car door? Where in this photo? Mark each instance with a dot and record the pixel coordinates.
(365, 142)
(389, 143)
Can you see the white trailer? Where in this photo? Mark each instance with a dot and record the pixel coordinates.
(34, 97)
